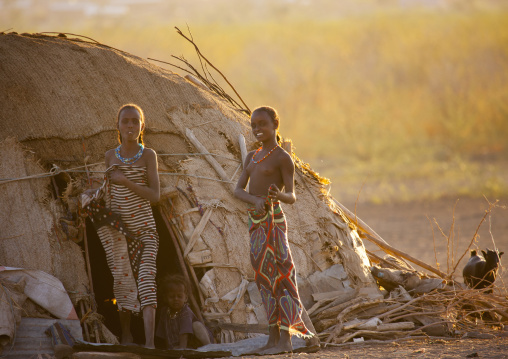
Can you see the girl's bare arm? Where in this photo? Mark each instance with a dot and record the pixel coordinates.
(287, 169)
(183, 341)
(240, 191)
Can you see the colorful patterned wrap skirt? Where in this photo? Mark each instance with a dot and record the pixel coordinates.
(275, 272)
(126, 227)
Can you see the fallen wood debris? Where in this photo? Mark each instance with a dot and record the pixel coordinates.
(444, 311)
(413, 303)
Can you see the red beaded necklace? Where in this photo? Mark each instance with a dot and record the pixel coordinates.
(259, 149)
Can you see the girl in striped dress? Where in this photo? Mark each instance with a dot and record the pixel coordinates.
(120, 210)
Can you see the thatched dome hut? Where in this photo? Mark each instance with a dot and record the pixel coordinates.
(59, 101)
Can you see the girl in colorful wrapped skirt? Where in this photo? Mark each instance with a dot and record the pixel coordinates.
(269, 171)
(121, 212)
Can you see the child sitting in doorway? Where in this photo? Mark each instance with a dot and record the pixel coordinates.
(178, 326)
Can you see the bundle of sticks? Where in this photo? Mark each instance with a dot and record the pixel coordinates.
(453, 311)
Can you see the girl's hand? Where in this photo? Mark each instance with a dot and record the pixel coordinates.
(117, 177)
(273, 192)
(260, 205)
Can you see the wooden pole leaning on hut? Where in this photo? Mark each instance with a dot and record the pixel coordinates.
(369, 234)
(194, 304)
(243, 148)
(391, 250)
(87, 258)
(212, 161)
(89, 270)
(167, 205)
(182, 241)
(243, 153)
(82, 320)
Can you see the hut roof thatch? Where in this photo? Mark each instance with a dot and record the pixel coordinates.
(59, 101)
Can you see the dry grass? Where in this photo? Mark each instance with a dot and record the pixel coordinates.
(392, 95)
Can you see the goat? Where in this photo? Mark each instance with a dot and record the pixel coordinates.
(481, 273)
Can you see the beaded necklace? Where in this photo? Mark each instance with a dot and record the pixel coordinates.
(268, 154)
(175, 314)
(129, 161)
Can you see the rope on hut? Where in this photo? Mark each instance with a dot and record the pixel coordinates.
(198, 154)
(55, 170)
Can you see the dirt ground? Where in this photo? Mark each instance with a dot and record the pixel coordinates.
(406, 226)
(496, 348)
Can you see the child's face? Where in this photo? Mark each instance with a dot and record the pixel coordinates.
(262, 125)
(176, 296)
(130, 125)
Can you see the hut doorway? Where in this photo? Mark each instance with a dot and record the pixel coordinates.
(167, 263)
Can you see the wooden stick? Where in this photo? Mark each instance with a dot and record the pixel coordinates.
(487, 212)
(93, 325)
(211, 160)
(89, 270)
(362, 225)
(243, 152)
(346, 337)
(497, 310)
(236, 171)
(430, 325)
(318, 304)
(395, 326)
(399, 307)
(340, 300)
(391, 341)
(209, 63)
(191, 270)
(193, 303)
(196, 82)
(413, 314)
(394, 251)
(243, 148)
(391, 264)
(97, 334)
(85, 326)
(334, 311)
(357, 221)
(179, 235)
(343, 313)
(87, 258)
(197, 232)
(323, 324)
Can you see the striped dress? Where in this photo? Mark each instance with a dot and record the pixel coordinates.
(126, 228)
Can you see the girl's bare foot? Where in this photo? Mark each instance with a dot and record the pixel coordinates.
(126, 338)
(283, 346)
(149, 324)
(273, 340)
(313, 341)
(125, 324)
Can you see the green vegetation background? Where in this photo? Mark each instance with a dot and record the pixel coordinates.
(397, 103)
